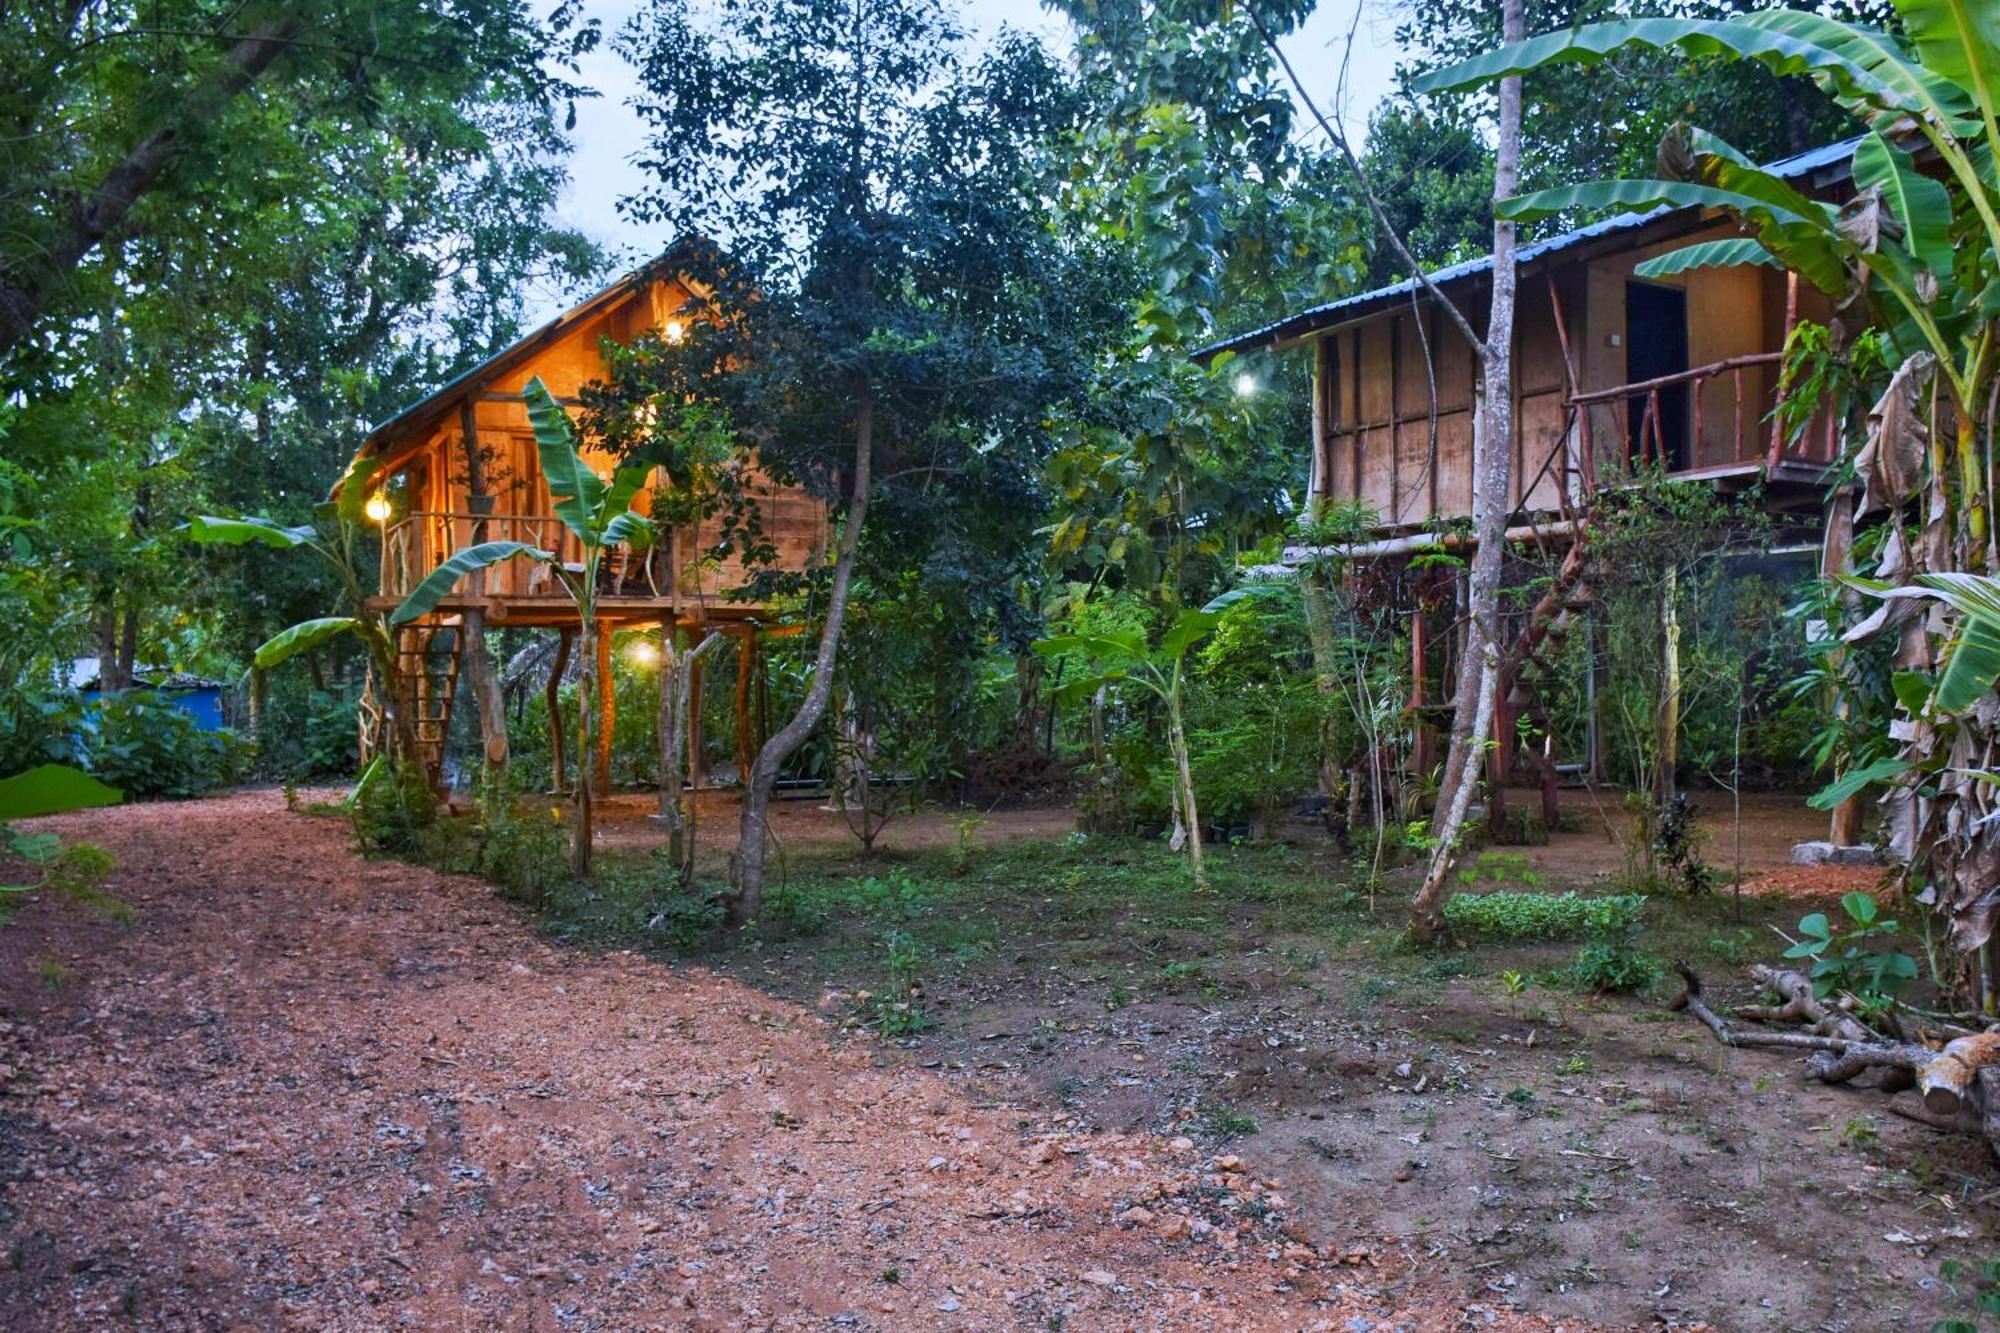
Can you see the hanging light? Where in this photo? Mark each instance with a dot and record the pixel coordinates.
(377, 508)
(643, 653)
(676, 330)
(1246, 385)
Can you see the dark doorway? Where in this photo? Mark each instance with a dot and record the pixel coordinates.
(1656, 344)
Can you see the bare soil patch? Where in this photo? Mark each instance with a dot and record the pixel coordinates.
(306, 1090)
(1580, 1158)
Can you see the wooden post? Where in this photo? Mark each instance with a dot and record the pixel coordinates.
(746, 657)
(697, 742)
(1670, 692)
(1423, 744)
(487, 697)
(607, 709)
(1791, 319)
(559, 778)
(1836, 548)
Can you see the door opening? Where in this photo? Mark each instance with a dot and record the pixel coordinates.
(1656, 344)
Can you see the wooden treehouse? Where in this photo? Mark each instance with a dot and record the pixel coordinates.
(1616, 378)
(461, 467)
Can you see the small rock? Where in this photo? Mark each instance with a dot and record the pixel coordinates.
(1173, 1228)
(1138, 1217)
(949, 1305)
(1098, 1277)
(1181, 1144)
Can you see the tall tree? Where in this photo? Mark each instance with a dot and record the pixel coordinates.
(120, 114)
(876, 195)
(1492, 463)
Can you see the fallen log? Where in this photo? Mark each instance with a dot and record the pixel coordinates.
(1959, 1082)
(1948, 1079)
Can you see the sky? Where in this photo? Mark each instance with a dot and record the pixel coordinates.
(608, 133)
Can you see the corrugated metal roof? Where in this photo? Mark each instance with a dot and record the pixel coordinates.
(1319, 316)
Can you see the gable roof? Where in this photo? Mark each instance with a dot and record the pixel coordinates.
(425, 410)
(1827, 165)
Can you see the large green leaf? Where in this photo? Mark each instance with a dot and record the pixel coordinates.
(578, 491)
(306, 634)
(1883, 56)
(52, 789)
(1972, 658)
(1116, 644)
(1853, 784)
(1188, 629)
(1921, 204)
(1640, 194)
(350, 493)
(1959, 40)
(423, 598)
(634, 530)
(242, 531)
(1807, 242)
(1779, 51)
(1708, 254)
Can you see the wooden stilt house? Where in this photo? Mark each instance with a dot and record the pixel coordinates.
(1616, 376)
(461, 467)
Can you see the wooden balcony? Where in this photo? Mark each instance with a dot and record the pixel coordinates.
(1667, 423)
(632, 585)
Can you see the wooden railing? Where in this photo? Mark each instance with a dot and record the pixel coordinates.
(418, 543)
(1648, 442)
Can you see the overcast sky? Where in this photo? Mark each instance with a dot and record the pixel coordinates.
(608, 133)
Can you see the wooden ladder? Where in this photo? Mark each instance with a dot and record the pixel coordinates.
(428, 656)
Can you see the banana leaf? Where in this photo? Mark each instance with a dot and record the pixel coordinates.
(306, 634)
(423, 598)
(210, 530)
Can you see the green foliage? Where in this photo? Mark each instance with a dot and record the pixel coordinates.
(1542, 916)
(1612, 968)
(51, 789)
(898, 1009)
(148, 747)
(1846, 959)
(393, 810)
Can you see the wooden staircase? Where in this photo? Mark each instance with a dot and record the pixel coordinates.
(428, 656)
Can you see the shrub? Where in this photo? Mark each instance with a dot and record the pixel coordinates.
(145, 746)
(1543, 916)
(392, 808)
(525, 853)
(1612, 968)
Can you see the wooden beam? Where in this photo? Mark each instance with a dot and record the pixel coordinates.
(697, 743)
(607, 709)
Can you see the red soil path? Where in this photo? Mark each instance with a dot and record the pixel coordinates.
(306, 1090)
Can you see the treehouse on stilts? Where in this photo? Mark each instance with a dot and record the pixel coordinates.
(460, 467)
(1622, 373)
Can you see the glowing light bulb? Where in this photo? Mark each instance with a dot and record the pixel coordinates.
(377, 508)
(676, 330)
(644, 653)
(1246, 385)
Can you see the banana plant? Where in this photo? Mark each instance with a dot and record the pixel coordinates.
(1917, 249)
(599, 515)
(335, 537)
(1125, 657)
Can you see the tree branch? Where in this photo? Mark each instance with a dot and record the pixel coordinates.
(1382, 223)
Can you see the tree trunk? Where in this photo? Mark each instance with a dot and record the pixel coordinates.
(1479, 669)
(552, 696)
(35, 279)
(584, 833)
(676, 803)
(1184, 774)
(747, 864)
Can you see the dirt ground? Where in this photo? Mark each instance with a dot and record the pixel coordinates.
(305, 1090)
(1586, 1159)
